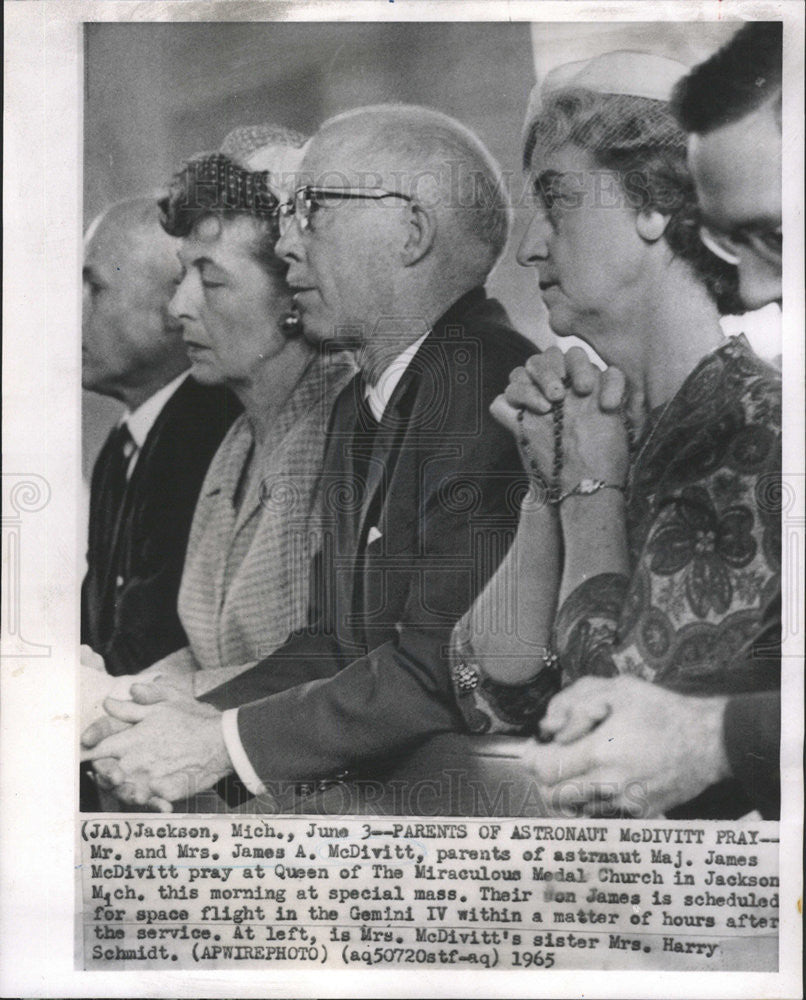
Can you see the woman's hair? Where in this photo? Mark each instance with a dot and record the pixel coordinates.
(214, 185)
(639, 139)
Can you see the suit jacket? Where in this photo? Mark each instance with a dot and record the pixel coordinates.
(403, 559)
(245, 582)
(128, 597)
(751, 733)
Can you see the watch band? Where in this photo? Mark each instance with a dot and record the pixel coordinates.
(586, 488)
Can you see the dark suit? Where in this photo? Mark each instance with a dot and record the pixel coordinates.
(402, 560)
(752, 734)
(128, 598)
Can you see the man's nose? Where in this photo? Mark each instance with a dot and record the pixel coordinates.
(534, 245)
(290, 246)
(759, 281)
(86, 309)
(181, 304)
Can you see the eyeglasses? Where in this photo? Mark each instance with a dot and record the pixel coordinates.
(306, 200)
(764, 243)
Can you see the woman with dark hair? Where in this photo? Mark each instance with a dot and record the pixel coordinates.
(257, 523)
(649, 542)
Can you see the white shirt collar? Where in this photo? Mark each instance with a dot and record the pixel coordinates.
(378, 395)
(141, 420)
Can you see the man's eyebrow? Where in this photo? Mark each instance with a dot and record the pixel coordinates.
(89, 273)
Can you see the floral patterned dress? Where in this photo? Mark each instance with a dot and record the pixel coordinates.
(703, 525)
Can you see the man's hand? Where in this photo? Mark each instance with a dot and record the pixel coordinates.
(650, 749)
(157, 748)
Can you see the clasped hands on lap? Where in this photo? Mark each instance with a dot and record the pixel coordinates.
(158, 747)
(622, 741)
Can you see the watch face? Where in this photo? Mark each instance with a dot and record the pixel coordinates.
(589, 485)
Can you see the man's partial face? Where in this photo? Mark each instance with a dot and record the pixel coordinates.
(343, 266)
(737, 170)
(127, 285)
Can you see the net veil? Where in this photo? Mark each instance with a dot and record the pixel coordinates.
(619, 125)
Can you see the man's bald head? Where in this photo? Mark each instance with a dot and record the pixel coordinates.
(132, 230)
(130, 344)
(436, 161)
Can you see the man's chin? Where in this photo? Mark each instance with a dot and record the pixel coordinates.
(205, 374)
(335, 338)
(93, 383)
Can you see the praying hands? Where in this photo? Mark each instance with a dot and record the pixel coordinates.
(157, 748)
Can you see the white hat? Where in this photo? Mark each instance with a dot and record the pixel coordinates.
(634, 74)
(266, 147)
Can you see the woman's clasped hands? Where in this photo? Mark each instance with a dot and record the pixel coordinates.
(593, 442)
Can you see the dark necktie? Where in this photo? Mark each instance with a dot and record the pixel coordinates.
(113, 463)
(107, 495)
(106, 501)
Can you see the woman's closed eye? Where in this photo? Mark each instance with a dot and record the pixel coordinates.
(552, 197)
(546, 206)
(211, 277)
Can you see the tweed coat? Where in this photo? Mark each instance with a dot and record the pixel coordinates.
(245, 582)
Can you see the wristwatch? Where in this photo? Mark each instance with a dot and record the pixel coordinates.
(586, 488)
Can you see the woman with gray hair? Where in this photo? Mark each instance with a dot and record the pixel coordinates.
(649, 543)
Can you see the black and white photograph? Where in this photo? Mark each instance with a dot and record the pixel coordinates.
(412, 552)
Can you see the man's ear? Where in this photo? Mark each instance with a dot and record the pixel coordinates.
(421, 233)
(651, 224)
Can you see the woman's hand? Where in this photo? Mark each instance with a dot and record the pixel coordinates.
(534, 435)
(594, 440)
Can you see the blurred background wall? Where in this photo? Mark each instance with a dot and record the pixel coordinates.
(155, 93)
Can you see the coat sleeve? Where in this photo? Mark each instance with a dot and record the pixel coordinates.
(752, 733)
(399, 692)
(752, 726)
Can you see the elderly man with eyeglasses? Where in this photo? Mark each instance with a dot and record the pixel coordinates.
(399, 215)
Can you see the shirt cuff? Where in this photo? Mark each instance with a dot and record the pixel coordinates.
(237, 754)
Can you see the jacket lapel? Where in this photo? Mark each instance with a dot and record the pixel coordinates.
(416, 403)
(132, 502)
